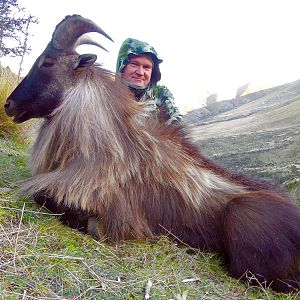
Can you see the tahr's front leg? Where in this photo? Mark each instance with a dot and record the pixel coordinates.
(71, 217)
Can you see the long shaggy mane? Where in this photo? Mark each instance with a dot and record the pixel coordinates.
(114, 154)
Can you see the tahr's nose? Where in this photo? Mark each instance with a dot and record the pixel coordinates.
(9, 106)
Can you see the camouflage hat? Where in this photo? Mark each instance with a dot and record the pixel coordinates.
(133, 46)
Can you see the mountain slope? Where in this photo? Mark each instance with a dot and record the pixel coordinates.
(246, 105)
(260, 135)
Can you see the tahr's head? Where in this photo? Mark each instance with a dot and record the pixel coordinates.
(55, 70)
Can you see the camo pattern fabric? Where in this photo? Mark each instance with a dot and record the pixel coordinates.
(159, 97)
(133, 46)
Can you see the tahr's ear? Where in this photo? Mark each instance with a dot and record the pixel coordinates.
(85, 60)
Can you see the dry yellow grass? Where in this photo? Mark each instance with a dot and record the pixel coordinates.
(8, 81)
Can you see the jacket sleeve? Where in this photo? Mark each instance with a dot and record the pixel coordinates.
(166, 104)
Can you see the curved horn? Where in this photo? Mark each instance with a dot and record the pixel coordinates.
(86, 40)
(70, 29)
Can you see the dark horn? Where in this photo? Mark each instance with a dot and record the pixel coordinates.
(70, 29)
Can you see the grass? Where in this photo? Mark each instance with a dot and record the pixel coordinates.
(41, 259)
(8, 81)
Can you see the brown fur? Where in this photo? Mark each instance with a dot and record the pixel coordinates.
(99, 154)
(267, 227)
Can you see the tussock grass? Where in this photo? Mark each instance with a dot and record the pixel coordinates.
(42, 259)
(8, 81)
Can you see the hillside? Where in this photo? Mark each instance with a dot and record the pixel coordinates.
(257, 133)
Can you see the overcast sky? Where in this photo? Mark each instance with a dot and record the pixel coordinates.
(207, 45)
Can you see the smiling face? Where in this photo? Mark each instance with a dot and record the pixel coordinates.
(138, 71)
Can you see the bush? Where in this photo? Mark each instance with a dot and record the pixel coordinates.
(293, 186)
(17, 132)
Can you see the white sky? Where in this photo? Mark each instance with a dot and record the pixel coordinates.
(207, 45)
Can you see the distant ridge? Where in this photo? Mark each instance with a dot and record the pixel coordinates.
(264, 98)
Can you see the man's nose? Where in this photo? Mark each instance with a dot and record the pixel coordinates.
(140, 70)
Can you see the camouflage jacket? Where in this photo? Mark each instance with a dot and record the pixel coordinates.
(161, 102)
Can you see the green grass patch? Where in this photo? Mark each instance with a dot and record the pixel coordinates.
(47, 260)
(13, 163)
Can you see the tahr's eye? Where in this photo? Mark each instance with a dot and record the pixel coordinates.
(46, 61)
(47, 64)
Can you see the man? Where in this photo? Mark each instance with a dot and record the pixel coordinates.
(138, 66)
